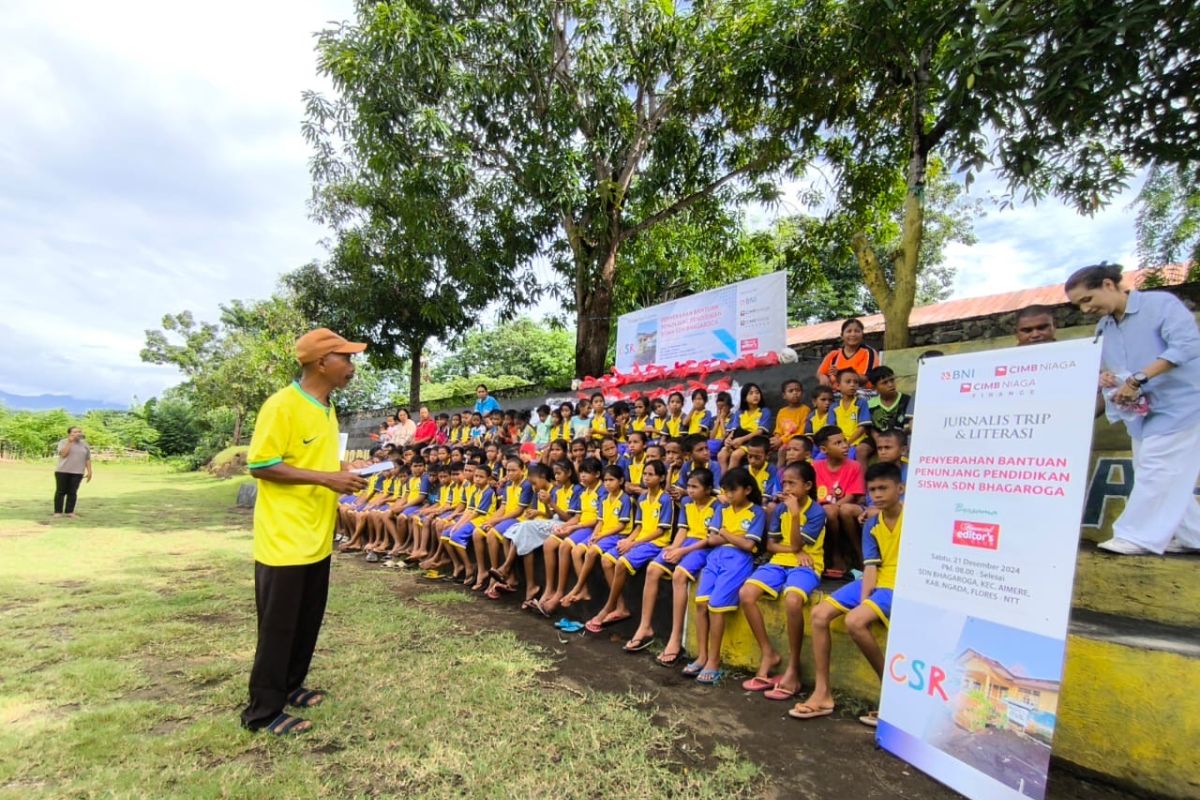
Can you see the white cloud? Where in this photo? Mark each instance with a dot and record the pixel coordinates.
(153, 162)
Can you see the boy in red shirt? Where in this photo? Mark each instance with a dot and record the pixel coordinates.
(840, 491)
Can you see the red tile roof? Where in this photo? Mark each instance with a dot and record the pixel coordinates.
(971, 307)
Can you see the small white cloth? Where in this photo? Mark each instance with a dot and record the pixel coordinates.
(1162, 506)
(529, 535)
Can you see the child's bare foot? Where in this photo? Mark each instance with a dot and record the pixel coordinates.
(615, 616)
(481, 584)
(768, 664)
(815, 706)
(550, 604)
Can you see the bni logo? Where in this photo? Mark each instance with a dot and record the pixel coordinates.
(958, 374)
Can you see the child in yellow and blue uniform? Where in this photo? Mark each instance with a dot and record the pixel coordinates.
(602, 424)
(797, 532)
(853, 415)
(735, 530)
(566, 510)
(480, 502)
(864, 602)
(674, 423)
(514, 495)
(681, 561)
(821, 416)
(616, 520)
(753, 419)
(699, 419)
(651, 531)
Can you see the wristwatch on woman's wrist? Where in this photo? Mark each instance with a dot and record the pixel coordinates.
(1137, 380)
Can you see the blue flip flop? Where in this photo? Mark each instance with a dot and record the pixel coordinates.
(709, 677)
(693, 669)
(569, 625)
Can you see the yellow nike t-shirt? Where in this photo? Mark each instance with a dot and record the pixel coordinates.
(293, 524)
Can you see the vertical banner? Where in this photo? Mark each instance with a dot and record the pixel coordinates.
(745, 317)
(996, 480)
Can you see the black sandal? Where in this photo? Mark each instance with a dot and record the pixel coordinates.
(286, 725)
(303, 698)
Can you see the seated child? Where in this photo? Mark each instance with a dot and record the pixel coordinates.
(840, 491)
(650, 533)
(575, 526)
(696, 455)
(616, 520)
(820, 416)
(528, 533)
(562, 423)
(796, 546)
(891, 447)
(397, 520)
(722, 424)
(891, 408)
(602, 422)
(791, 419)
(736, 529)
(853, 416)
(441, 500)
(682, 562)
(513, 495)
(634, 462)
(753, 419)
(674, 423)
(480, 501)
(699, 420)
(864, 602)
(753, 455)
(430, 547)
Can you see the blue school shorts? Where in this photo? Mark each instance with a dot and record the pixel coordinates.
(724, 573)
(775, 580)
(579, 536)
(500, 527)
(460, 536)
(410, 510)
(639, 556)
(691, 564)
(607, 545)
(447, 514)
(346, 499)
(849, 597)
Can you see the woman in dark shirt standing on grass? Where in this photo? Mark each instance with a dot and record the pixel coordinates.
(74, 465)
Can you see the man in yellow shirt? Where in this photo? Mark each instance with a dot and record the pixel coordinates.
(295, 456)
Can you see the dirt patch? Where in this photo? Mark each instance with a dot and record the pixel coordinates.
(834, 757)
(169, 726)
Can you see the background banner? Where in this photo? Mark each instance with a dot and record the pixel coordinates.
(745, 317)
(996, 480)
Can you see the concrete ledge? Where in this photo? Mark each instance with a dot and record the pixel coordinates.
(1129, 709)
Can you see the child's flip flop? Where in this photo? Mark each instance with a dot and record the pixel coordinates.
(709, 677)
(638, 645)
(805, 711)
(780, 694)
(870, 719)
(757, 684)
(693, 668)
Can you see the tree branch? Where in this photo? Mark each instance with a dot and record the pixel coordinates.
(688, 200)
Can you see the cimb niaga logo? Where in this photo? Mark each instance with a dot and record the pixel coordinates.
(1001, 372)
(748, 345)
(985, 535)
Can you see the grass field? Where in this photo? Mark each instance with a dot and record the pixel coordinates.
(127, 640)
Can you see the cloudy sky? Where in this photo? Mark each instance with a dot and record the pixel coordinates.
(151, 161)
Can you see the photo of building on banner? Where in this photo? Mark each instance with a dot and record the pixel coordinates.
(748, 317)
(998, 469)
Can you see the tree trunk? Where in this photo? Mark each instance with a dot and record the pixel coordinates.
(239, 419)
(416, 350)
(593, 300)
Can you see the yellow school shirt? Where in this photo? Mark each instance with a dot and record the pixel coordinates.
(817, 420)
(698, 517)
(589, 505)
(719, 430)
(616, 514)
(812, 528)
(848, 419)
(789, 422)
(635, 469)
(293, 523)
(749, 521)
(414, 489)
(673, 426)
(600, 426)
(881, 549)
(655, 514)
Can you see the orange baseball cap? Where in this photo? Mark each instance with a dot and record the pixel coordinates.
(322, 342)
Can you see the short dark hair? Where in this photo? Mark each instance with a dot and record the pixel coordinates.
(789, 382)
(850, 322)
(481, 386)
(880, 373)
(759, 441)
(543, 409)
(893, 433)
(1035, 310)
(825, 434)
(1094, 276)
(841, 373)
(883, 471)
(820, 390)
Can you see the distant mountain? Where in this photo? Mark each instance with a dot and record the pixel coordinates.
(45, 402)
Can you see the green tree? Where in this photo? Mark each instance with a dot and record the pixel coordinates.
(568, 115)
(174, 417)
(1168, 220)
(1040, 90)
(824, 279)
(540, 354)
(235, 364)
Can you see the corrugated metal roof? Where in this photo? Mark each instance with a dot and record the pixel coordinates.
(971, 307)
